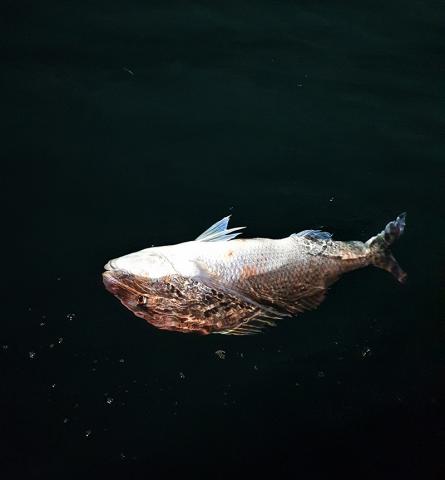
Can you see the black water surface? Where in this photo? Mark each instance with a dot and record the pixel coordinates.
(128, 124)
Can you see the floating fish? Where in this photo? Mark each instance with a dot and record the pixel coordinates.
(218, 283)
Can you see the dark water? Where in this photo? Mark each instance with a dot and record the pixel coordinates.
(128, 124)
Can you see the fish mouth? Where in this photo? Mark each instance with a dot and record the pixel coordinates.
(121, 284)
(111, 265)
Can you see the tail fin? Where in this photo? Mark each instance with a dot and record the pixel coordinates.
(379, 248)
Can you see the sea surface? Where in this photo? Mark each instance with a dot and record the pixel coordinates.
(128, 124)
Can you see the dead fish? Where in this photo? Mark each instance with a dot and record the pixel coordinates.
(220, 284)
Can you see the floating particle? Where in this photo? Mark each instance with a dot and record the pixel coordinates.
(297, 384)
(255, 367)
(122, 456)
(181, 375)
(366, 352)
(42, 324)
(53, 385)
(321, 374)
(87, 433)
(220, 354)
(332, 199)
(51, 345)
(32, 354)
(241, 354)
(70, 316)
(128, 71)
(65, 420)
(5, 347)
(121, 360)
(60, 340)
(110, 400)
(58, 279)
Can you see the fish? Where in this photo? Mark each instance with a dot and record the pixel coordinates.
(219, 283)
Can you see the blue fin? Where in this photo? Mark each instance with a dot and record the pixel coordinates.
(313, 234)
(219, 232)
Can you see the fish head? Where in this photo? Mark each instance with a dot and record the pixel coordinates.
(133, 277)
(149, 263)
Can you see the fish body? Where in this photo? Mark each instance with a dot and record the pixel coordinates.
(222, 284)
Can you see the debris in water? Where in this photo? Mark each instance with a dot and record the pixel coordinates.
(181, 376)
(220, 354)
(32, 354)
(87, 433)
(332, 199)
(321, 374)
(121, 360)
(70, 316)
(65, 420)
(128, 71)
(366, 352)
(60, 340)
(5, 347)
(110, 400)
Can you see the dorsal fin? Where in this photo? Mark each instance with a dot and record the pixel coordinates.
(313, 234)
(219, 232)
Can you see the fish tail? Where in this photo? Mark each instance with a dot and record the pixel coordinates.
(380, 253)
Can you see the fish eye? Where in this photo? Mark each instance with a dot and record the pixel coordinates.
(142, 300)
